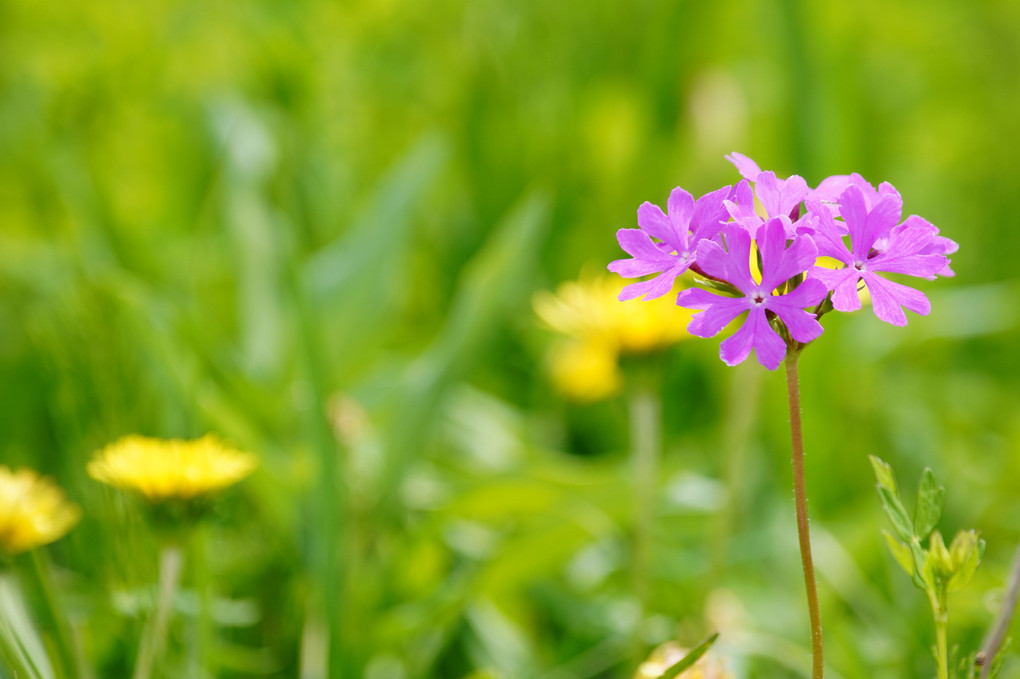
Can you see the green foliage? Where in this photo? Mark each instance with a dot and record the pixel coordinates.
(930, 500)
(936, 569)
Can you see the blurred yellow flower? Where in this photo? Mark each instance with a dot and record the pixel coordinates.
(163, 469)
(589, 310)
(33, 511)
(670, 653)
(600, 328)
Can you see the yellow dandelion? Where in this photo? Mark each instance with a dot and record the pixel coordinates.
(163, 469)
(589, 310)
(33, 511)
(600, 328)
(670, 653)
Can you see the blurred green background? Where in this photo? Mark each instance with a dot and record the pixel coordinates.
(316, 228)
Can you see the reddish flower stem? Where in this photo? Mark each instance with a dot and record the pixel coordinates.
(800, 498)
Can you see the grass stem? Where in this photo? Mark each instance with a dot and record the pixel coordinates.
(645, 414)
(13, 654)
(171, 563)
(67, 650)
(997, 634)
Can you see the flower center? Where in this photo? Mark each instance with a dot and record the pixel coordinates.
(859, 265)
(757, 298)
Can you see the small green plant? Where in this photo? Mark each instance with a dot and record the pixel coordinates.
(934, 568)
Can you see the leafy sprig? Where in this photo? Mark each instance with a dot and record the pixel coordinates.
(920, 550)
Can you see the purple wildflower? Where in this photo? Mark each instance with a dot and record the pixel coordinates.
(878, 244)
(678, 231)
(780, 263)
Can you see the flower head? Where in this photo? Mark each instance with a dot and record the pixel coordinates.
(597, 330)
(33, 511)
(781, 263)
(589, 309)
(801, 261)
(676, 233)
(879, 244)
(164, 470)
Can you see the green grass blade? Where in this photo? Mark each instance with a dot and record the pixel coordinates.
(689, 659)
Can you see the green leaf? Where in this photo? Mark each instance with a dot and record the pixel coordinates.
(965, 556)
(901, 552)
(901, 522)
(931, 498)
(21, 647)
(884, 474)
(690, 658)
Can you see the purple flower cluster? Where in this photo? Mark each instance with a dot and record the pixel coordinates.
(722, 234)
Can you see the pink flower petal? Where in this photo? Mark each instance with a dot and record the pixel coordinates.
(779, 262)
(844, 294)
(768, 189)
(887, 297)
(854, 209)
(882, 217)
(634, 268)
(718, 312)
(709, 214)
(755, 333)
(830, 188)
(831, 278)
(733, 266)
(747, 168)
(680, 209)
(793, 192)
(654, 222)
(637, 244)
(828, 235)
(653, 288)
(921, 266)
(810, 293)
(803, 325)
